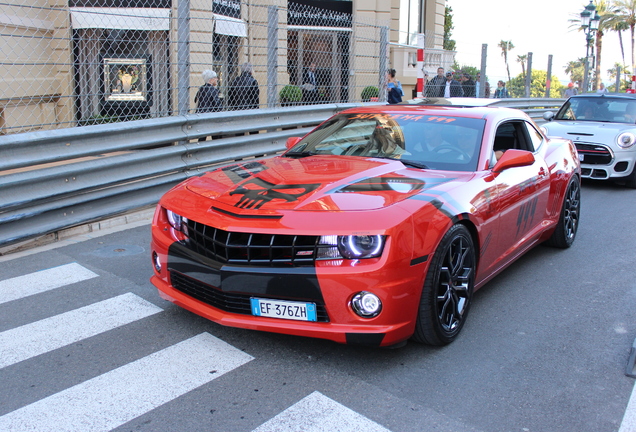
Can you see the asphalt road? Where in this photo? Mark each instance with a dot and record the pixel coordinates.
(87, 344)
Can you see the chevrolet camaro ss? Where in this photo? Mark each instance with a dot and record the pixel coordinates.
(376, 227)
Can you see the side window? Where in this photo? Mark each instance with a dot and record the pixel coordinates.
(535, 138)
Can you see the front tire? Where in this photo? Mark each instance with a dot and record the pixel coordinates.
(565, 232)
(448, 289)
(630, 180)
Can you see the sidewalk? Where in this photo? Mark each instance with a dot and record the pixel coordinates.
(79, 233)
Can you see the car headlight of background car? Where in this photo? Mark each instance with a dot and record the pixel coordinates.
(626, 140)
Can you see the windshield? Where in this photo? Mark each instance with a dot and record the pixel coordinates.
(434, 142)
(604, 109)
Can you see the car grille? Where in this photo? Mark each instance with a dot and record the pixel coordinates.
(267, 250)
(228, 302)
(594, 154)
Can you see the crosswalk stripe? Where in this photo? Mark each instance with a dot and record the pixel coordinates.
(629, 419)
(41, 281)
(112, 399)
(33, 339)
(318, 413)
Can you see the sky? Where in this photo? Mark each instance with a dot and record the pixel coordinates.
(537, 26)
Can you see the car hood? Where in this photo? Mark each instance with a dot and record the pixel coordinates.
(585, 130)
(314, 183)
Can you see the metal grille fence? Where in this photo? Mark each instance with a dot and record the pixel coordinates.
(90, 63)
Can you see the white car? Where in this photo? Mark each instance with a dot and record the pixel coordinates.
(603, 129)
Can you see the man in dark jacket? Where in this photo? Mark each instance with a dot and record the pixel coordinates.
(243, 92)
(435, 87)
(207, 97)
(452, 87)
(468, 86)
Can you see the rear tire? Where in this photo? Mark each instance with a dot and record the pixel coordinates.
(565, 232)
(448, 289)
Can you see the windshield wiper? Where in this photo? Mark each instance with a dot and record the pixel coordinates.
(412, 163)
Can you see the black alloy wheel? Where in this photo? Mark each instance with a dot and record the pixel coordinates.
(568, 224)
(448, 289)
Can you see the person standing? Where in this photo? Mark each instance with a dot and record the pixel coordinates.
(452, 87)
(502, 91)
(602, 89)
(435, 87)
(243, 92)
(207, 97)
(393, 87)
(570, 91)
(468, 86)
(310, 84)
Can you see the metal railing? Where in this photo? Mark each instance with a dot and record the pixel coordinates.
(52, 180)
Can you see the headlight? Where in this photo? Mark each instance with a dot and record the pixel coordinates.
(176, 221)
(360, 246)
(626, 140)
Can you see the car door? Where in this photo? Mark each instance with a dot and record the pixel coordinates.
(522, 192)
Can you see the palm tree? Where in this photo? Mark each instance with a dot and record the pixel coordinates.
(603, 10)
(576, 69)
(522, 59)
(624, 12)
(606, 14)
(506, 46)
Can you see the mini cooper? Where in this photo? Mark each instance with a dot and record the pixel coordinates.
(603, 129)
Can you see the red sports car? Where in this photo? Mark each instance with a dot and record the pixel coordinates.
(374, 228)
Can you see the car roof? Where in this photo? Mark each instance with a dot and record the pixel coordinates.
(607, 95)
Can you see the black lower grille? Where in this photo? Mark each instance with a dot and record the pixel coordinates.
(228, 302)
(274, 250)
(594, 154)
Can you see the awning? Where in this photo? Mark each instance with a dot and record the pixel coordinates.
(120, 18)
(229, 26)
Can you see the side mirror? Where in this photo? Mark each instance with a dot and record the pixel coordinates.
(548, 116)
(292, 141)
(513, 158)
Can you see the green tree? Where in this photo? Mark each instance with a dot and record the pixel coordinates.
(517, 85)
(506, 46)
(624, 11)
(449, 44)
(576, 69)
(522, 59)
(625, 82)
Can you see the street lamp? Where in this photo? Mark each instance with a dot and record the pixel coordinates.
(589, 23)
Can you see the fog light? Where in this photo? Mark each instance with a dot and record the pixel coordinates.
(366, 304)
(156, 262)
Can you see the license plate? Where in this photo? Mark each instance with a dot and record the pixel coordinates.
(581, 157)
(291, 310)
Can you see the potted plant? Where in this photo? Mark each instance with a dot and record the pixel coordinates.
(369, 93)
(290, 95)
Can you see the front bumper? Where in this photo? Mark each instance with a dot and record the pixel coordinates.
(222, 292)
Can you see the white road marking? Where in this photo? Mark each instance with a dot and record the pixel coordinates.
(33, 339)
(629, 419)
(318, 413)
(110, 400)
(45, 280)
